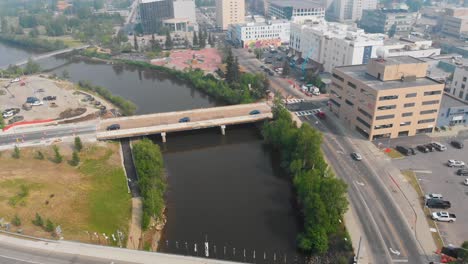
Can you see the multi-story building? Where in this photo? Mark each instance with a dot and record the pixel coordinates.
(410, 46)
(260, 34)
(151, 13)
(229, 12)
(332, 44)
(295, 10)
(455, 22)
(459, 87)
(348, 10)
(387, 98)
(387, 21)
(453, 111)
(185, 9)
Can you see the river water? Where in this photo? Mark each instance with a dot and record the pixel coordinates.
(225, 190)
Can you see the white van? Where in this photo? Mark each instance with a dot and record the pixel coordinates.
(439, 146)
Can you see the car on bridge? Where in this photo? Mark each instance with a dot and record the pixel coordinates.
(184, 120)
(254, 112)
(113, 127)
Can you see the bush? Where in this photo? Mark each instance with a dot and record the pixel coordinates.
(58, 158)
(75, 159)
(38, 220)
(78, 144)
(16, 221)
(16, 153)
(39, 155)
(49, 227)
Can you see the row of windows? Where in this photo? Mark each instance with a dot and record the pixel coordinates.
(386, 107)
(383, 126)
(362, 111)
(363, 122)
(426, 121)
(338, 77)
(385, 117)
(410, 95)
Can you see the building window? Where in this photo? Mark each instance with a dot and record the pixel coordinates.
(407, 123)
(352, 85)
(383, 126)
(336, 76)
(426, 112)
(464, 79)
(349, 102)
(424, 130)
(403, 133)
(360, 120)
(426, 121)
(463, 86)
(432, 93)
(411, 95)
(337, 86)
(407, 114)
(384, 117)
(335, 103)
(430, 102)
(364, 113)
(386, 107)
(388, 97)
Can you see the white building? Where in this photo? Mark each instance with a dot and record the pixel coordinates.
(459, 87)
(260, 34)
(185, 9)
(410, 46)
(333, 44)
(348, 10)
(295, 10)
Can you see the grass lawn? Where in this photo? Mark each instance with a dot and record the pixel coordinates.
(394, 154)
(411, 177)
(68, 40)
(92, 197)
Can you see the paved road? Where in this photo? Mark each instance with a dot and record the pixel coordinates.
(44, 133)
(386, 230)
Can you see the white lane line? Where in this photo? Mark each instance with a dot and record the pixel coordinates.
(395, 252)
(399, 260)
(423, 171)
(21, 260)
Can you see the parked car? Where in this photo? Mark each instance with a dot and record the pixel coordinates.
(457, 144)
(404, 150)
(466, 181)
(15, 119)
(456, 163)
(184, 120)
(31, 100)
(423, 148)
(40, 90)
(462, 172)
(113, 127)
(321, 115)
(37, 103)
(430, 196)
(15, 80)
(49, 98)
(439, 146)
(430, 147)
(444, 216)
(438, 203)
(412, 151)
(254, 112)
(356, 156)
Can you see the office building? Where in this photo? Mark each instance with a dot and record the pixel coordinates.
(455, 22)
(459, 86)
(296, 10)
(185, 9)
(388, 21)
(151, 14)
(260, 34)
(348, 10)
(453, 111)
(387, 98)
(410, 46)
(229, 12)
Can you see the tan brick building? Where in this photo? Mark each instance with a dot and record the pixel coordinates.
(229, 12)
(389, 97)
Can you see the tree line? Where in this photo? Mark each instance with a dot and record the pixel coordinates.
(149, 165)
(320, 195)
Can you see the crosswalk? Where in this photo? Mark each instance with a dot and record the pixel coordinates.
(307, 112)
(292, 101)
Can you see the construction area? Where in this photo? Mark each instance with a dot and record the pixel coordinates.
(207, 59)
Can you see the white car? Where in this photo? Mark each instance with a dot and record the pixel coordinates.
(15, 80)
(433, 196)
(466, 181)
(455, 163)
(356, 156)
(36, 103)
(7, 114)
(444, 216)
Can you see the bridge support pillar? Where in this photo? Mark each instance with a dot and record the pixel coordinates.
(163, 135)
(223, 129)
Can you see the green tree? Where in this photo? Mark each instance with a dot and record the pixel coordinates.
(39, 155)
(2, 122)
(463, 252)
(168, 44)
(195, 39)
(16, 153)
(31, 67)
(392, 30)
(232, 68)
(16, 220)
(58, 158)
(38, 220)
(75, 159)
(49, 227)
(34, 33)
(135, 42)
(201, 38)
(78, 144)
(258, 53)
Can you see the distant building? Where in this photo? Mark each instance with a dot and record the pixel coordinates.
(348, 10)
(410, 46)
(295, 10)
(332, 44)
(452, 112)
(185, 9)
(459, 87)
(178, 24)
(260, 34)
(385, 21)
(387, 98)
(151, 13)
(229, 12)
(455, 22)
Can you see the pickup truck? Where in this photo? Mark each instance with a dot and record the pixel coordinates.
(443, 216)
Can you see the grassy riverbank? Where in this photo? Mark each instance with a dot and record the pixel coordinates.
(321, 196)
(37, 44)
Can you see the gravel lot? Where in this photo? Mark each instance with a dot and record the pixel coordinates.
(435, 176)
(15, 96)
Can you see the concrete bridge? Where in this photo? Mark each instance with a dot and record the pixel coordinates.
(163, 123)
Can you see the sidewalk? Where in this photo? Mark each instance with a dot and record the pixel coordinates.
(134, 232)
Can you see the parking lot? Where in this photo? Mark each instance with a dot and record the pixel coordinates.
(434, 176)
(17, 93)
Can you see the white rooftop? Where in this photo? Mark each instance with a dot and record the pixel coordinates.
(341, 31)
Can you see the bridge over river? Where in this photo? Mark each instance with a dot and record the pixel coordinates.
(163, 123)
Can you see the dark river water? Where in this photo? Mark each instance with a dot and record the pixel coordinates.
(225, 190)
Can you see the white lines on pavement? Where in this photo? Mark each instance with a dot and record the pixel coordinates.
(395, 252)
(339, 152)
(292, 101)
(20, 260)
(307, 112)
(360, 183)
(399, 260)
(423, 171)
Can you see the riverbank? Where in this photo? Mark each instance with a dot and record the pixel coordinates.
(36, 44)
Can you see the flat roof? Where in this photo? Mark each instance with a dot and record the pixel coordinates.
(359, 72)
(297, 3)
(401, 60)
(449, 101)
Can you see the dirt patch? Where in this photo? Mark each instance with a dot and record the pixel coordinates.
(69, 113)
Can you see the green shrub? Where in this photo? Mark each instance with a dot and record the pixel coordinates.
(16, 153)
(16, 220)
(39, 155)
(38, 220)
(58, 158)
(75, 159)
(49, 227)
(78, 144)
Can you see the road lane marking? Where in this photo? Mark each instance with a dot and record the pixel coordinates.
(395, 252)
(423, 171)
(399, 260)
(21, 260)
(360, 183)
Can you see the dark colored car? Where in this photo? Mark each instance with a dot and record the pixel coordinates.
(113, 127)
(404, 150)
(438, 203)
(462, 172)
(412, 151)
(457, 144)
(423, 148)
(184, 120)
(15, 119)
(49, 98)
(430, 147)
(31, 100)
(254, 112)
